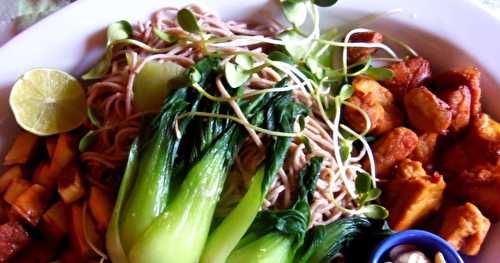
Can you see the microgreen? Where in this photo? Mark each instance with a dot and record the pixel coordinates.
(92, 115)
(296, 51)
(346, 92)
(244, 61)
(87, 140)
(116, 31)
(295, 12)
(119, 30)
(379, 73)
(280, 56)
(164, 36)
(187, 21)
(375, 211)
(363, 183)
(235, 75)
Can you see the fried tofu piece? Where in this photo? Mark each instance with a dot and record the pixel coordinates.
(465, 228)
(44, 176)
(459, 101)
(31, 204)
(50, 145)
(70, 185)
(470, 77)
(9, 175)
(479, 149)
(390, 149)
(13, 238)
(22, 150)
(480, 187)
(424, 151)
(377, 102)
(411, 73)
(412, 195)
(357, 54)
(426, 112)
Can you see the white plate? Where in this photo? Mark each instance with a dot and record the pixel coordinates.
(448, 32)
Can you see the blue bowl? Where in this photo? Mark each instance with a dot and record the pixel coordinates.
(425, 241)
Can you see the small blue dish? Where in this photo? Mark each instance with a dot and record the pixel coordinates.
(425, 241)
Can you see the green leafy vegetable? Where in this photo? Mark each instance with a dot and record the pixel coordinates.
(235, 75)
(379, 73)
(164, 35)
(87, 140)
(280, 116)
(296, 49)
(324, 242)
(153, 83)
(275, 236)
(295, 12)
(187, 21)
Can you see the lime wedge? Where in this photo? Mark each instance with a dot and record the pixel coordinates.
(47, 102)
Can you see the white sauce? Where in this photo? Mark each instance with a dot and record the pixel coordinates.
(410, 254)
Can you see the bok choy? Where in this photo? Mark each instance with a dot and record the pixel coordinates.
(280, 116)
(275, 236)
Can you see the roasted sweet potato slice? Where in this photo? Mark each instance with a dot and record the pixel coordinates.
(426, 112)
(22, 150)
(465, 228)
(412, 195)
(44, 176)
(411, 73)
(392, 148)
(459, 101)
(38, 251)
(377, 103)
(8, 176)
(64, 153)
(50, 146)
(470, 77)
(79, 224)
(101, 206)
(356, 54)
(31, 204)
(15, 188)
(54, 224)
(13, 238)
(70, 185)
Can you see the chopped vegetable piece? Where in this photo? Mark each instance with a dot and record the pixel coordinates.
(70, 185)
(79, 224)
(15, 188)
(44, 176)
(101, 207)
(32, 203)
(54, 224)
(22, 150)
(64, 153)
(8, 176)
(50, 145)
